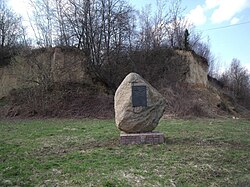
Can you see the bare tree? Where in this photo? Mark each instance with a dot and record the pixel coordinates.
(11, 33)
(165, 28)
(64, 33)
(160, 20)
(41, 21)
(176, 25)
(102, 28)
(145, 39)
(238, 78)
(202, 48)
(105, 30)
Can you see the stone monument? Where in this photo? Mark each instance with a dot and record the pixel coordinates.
(138, 109)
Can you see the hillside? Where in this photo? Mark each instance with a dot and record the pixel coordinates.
(58, 82)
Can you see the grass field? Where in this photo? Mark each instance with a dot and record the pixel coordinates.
(87, 153)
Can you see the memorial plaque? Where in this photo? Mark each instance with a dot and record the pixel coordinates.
(138, 109)
(139, 96)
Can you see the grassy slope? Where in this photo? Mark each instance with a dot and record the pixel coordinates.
(87, 153)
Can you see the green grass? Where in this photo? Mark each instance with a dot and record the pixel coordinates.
(87, 153)
(3, 102)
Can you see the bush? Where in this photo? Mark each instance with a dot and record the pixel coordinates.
(61, 100)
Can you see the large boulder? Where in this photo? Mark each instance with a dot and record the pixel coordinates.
(138, 106)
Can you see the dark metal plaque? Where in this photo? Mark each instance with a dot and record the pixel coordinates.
(139, 96)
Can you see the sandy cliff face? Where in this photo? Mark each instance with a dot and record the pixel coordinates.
(8, 80)
(58, 64)
(68, 66)
(198, 69)
(44, 66)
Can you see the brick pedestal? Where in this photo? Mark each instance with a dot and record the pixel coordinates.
(142, 138)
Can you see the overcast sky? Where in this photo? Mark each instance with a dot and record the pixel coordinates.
(225, 22)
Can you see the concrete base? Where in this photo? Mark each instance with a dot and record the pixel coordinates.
(142, 138)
